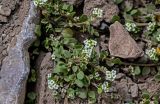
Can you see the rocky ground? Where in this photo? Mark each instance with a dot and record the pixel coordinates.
(118, 41)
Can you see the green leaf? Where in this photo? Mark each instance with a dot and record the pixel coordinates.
(92, 94)
(145, 95)
(128, 6)
(80, 75)
(82, 94)
(74, 68)
(31, 95)
(115, 18)
(117, 61)
(79, 83)
(146, 71)
(137, 70)
(157, 77)
(83, 18)
(38, 30)
(118, 1)
(60, 68)
(67, 33)
(99, 90)
(134, 11)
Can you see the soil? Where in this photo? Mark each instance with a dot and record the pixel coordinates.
(11, 27)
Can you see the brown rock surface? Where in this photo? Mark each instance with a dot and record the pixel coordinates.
(121, 44)
(44, 66)
(108, 7)
(73, 2)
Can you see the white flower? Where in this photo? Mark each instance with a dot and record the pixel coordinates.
(39, 2)
(98, 12)
(52, 85)
(89, 45)
(49, 75)
(131, 27)
(76, 18)
(97, 74)
(152, 54)
(151, 26)
(105, 87)
(110, 75)
(53, 56)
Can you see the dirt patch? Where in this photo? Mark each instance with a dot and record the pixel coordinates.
(12, 25)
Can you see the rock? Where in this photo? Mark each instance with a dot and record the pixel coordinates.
(44, 65)
(73, 2)
(143, 86)
(123, 89)
(15, 67)
(5, 11)
(119, 76)
(108, 7)
(121, 44)
(134, 91)
(3, 19)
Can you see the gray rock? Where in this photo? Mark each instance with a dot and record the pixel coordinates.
(73, 2)
(3, 19)
(134, 91)
(15, 67)
(5, 11)
(108, 7)
(121, 44)
(143, 86)
(119, 76)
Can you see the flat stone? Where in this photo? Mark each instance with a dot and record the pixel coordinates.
(73, 2)
(5, 11)
(108, 7)
(134, 91)
(121, 44)
(3, 19)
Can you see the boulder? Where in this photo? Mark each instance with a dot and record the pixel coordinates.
(108, 7)
(121, 44)
(16, 66)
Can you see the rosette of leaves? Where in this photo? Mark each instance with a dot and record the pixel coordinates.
(72, 70)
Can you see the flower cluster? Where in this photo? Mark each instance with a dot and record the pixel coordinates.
(131, 27)
(105, 87)
(76, 18)
(53, 56)
(110, 75)
(89, 45)
(151, 26)
(39, 2)
(52, 85)
(152, 54)
(98, 12)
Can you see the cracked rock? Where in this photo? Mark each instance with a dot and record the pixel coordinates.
(121, 44)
